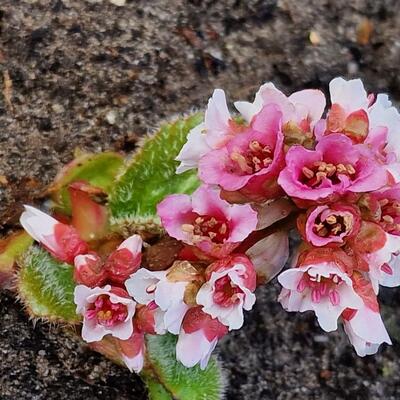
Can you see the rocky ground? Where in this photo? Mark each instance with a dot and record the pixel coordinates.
(88, 74)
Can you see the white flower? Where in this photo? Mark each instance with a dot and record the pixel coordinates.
(323, 288)
(198, 337)
(146, 286)
(366, 331)
(105, 311)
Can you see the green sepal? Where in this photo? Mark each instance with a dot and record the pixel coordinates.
(45, 286)
(99, 170)
(150, 176)
(167, 376)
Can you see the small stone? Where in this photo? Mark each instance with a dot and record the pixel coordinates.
(111, 117)
(315, 38)
(57, 108)
(118, 3)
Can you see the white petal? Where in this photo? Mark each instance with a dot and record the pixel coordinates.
(134, 364)
(217, 119)
(351, 94)
(270, 254)
(195, 148)
(369, 326)
(173, 317)
(192, 348)
(139, 282)
(39, 226)
(134, 244)
(168, 293)
(381, 113)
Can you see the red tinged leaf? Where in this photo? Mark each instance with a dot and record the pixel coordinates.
(10, 249)
(88, 216)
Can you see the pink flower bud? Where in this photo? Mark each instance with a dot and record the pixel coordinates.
(89, 270)
(124, 261)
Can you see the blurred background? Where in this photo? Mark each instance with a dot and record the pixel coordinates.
(98, 74)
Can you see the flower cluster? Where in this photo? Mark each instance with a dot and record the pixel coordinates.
(339, 168)
(199, 295)
(281, 163)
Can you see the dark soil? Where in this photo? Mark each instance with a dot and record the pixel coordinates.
(88, 74)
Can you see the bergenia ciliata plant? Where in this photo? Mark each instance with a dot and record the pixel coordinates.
(328, 176)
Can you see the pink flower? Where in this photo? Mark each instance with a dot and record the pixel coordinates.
(303, 108)
(124, 261)
(106, 311)
(250, 161)
(228, 290)
(331, 225)
(206, 221)
(323, 288)
(335, 167)
(61, 240)
(217, 128)
(198, 337)
(365, 330)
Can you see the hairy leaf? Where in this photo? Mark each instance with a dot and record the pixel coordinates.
(45, 287)
(150, 176)
(179, 382)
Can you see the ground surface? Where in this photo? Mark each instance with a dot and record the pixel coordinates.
(88, 74)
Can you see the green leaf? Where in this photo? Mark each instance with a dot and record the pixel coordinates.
(150, 176)
(99, 170)
(167, 376)
(156, 390)
(46, 286)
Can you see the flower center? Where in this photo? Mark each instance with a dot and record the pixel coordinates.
(333, 225)
(321, 286)
(210, 227)
(251, 160)
(314, 175)
(105, 312)
(226, 292)
(390, 215)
